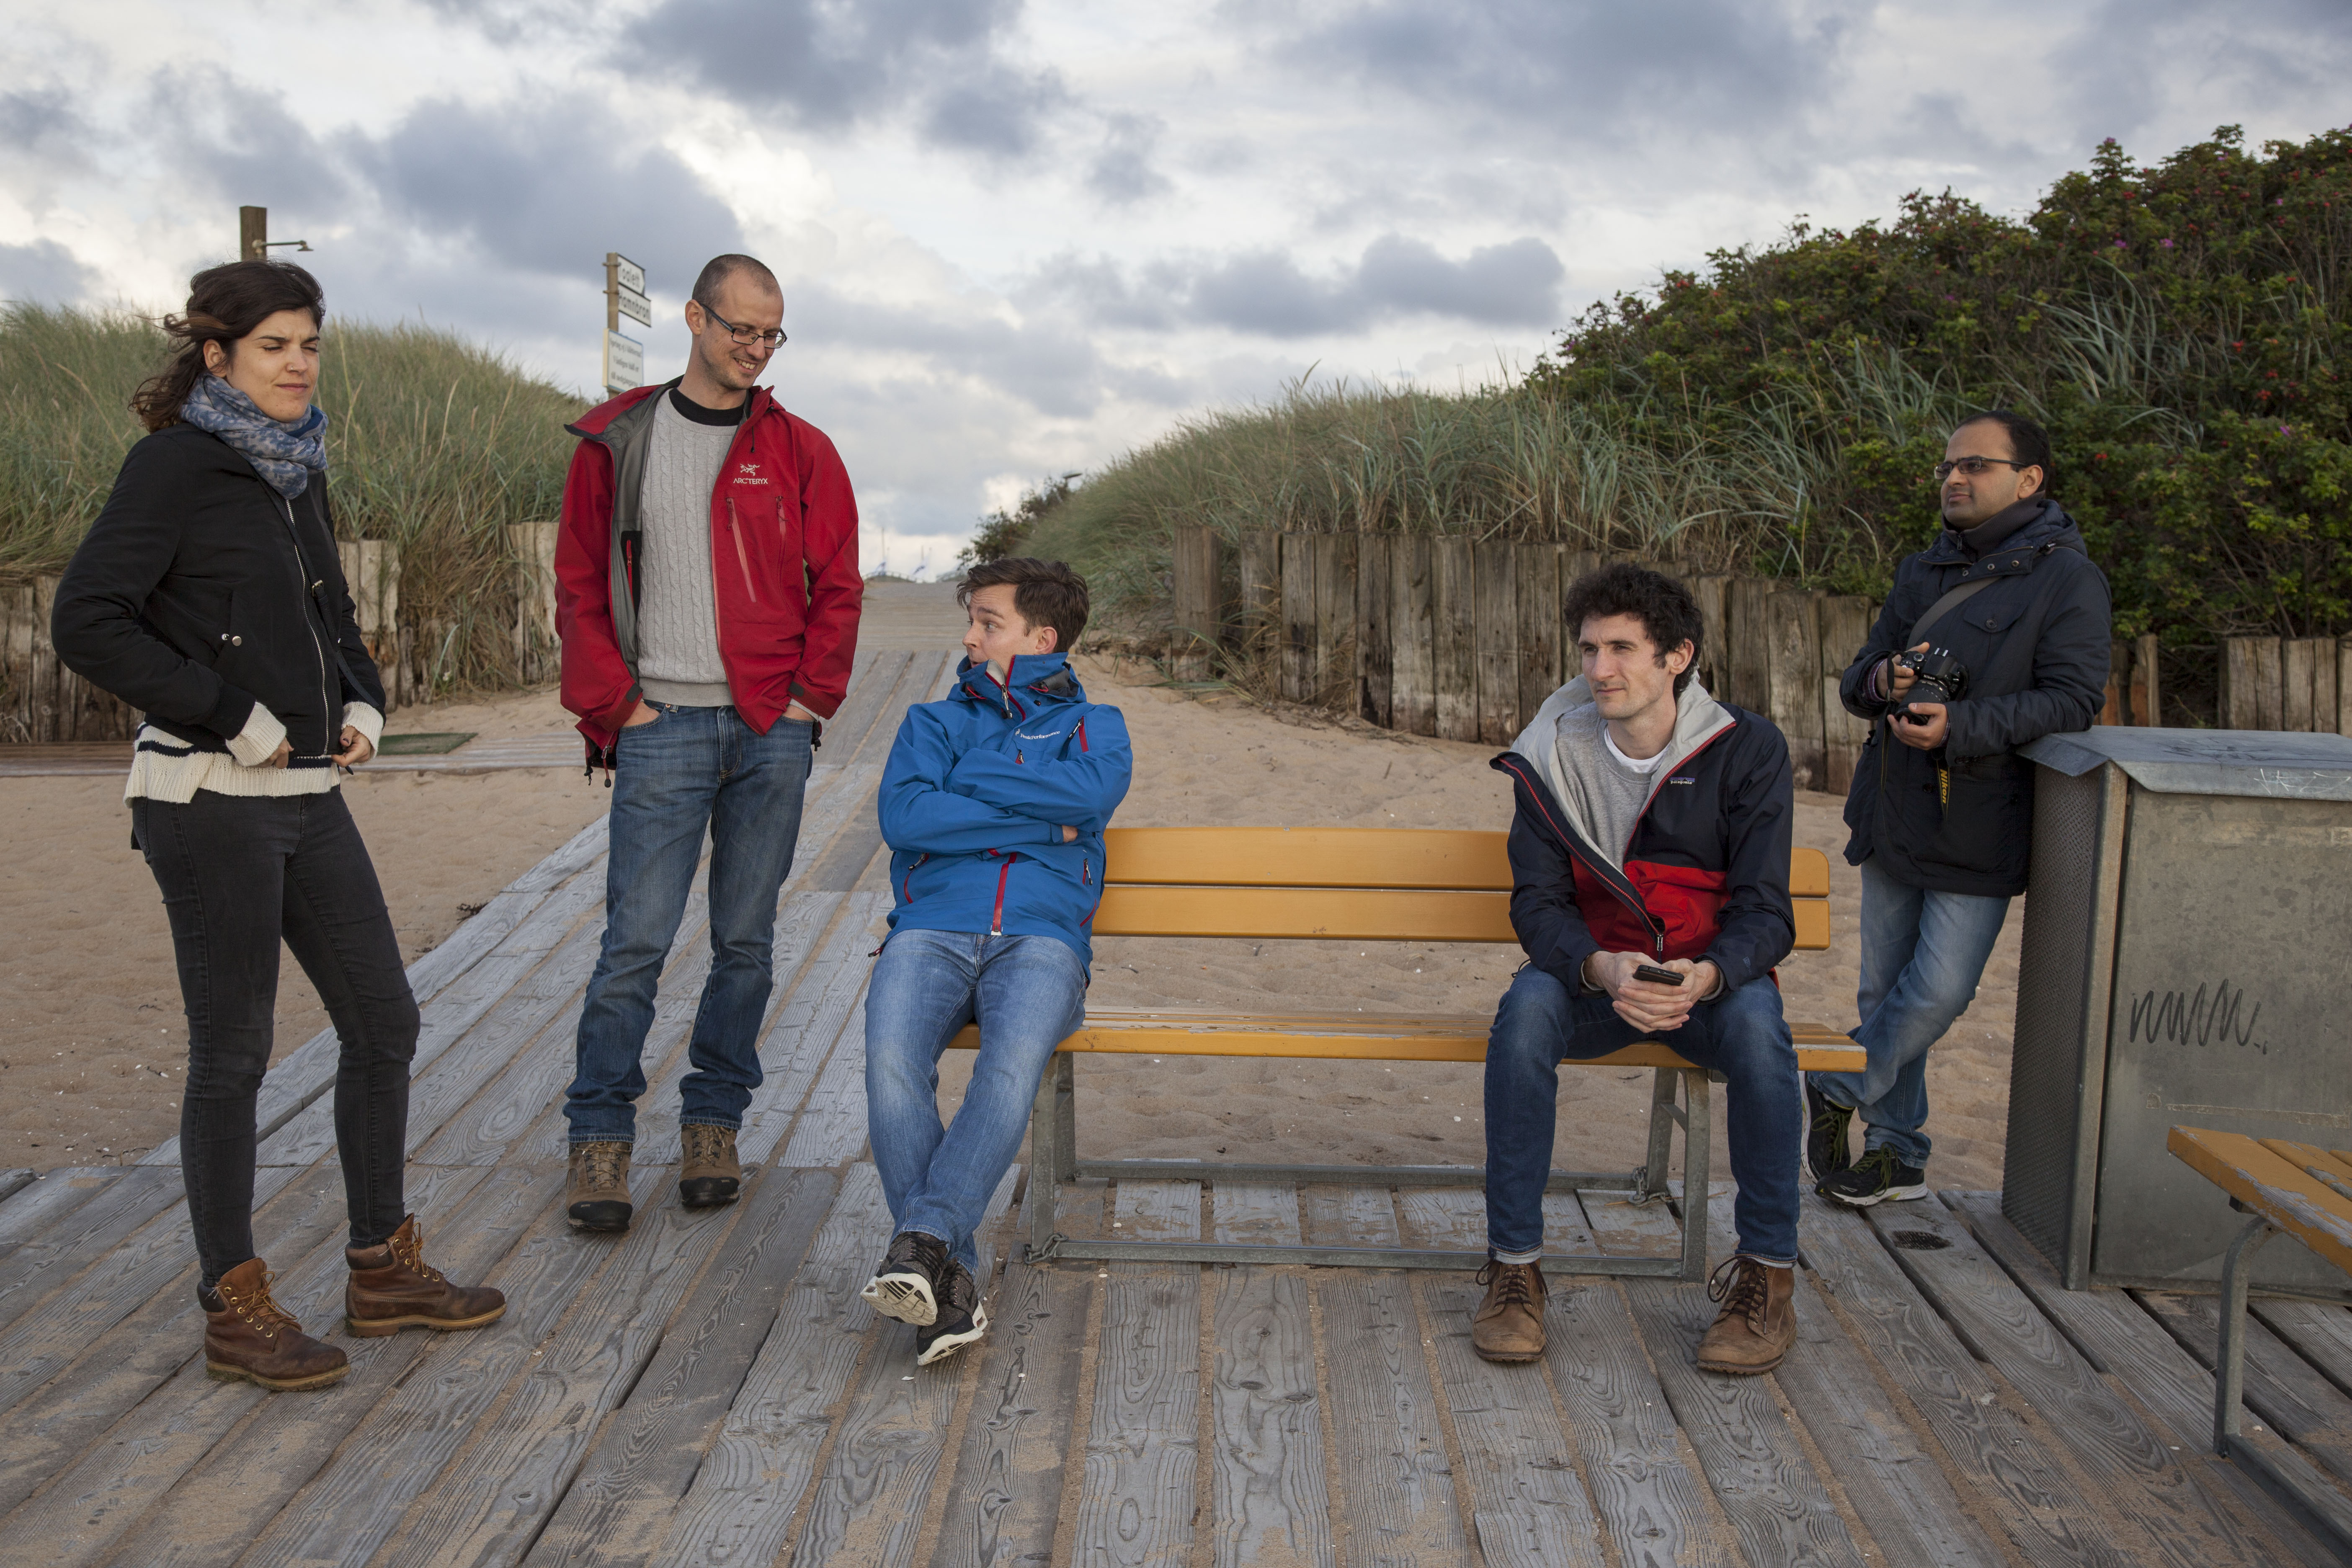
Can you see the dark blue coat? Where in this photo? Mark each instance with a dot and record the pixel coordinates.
(1959, 819)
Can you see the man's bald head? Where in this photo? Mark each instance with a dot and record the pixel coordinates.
(721, 270)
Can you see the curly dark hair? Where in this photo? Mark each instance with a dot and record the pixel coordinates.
(1045, 592)
(1663, 607)
(224, 303)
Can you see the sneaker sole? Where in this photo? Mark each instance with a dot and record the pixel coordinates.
(1742, 1369)
(709, 1191)
(1508, 1357)
(948, 1344)
(1884, 1196)
(906, 1297)
(599, 1215)
(376, 1328)
(221, 1372)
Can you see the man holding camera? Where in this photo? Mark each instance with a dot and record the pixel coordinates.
(1993, 636)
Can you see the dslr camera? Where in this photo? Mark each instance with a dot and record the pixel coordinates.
(1937, 676)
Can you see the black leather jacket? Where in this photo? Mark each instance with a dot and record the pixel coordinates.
(200, 590)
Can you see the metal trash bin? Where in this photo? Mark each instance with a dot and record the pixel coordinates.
(2185, 961)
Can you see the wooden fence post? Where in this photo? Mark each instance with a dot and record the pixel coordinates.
(2144, 706)
(1708, 589)
(1413, 634)
(1335, 619)
(1296, 644)
(1540, 639)
(1452, 596)
(1261, 584)
(1193, 584)
(532, 545)
(2307, 685)
(1793, 678)
(1746, 628)
(2251, 698)
(372, 573)
(1845, 628)
(1375, 598)
(2343, 686)
(1494, 567)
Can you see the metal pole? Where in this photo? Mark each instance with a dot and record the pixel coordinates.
(253, 234)
(1698, 1135)
(2229, 1355)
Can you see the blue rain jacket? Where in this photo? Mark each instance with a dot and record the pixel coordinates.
(975, 795)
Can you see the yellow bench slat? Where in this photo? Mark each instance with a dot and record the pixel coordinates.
(1358, 1037)
(1351, 914)
(2272, 1186)
(1394, 858)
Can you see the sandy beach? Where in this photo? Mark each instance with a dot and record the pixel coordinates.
(92, 1040)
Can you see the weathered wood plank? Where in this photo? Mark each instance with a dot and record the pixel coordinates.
(1412, 635)
(1539, 637)
(393, 1463)
(868, 1508)
(1296, 626)
(1267, 1492)
(1007, 1489)
(1351, 1216)
(1846, 631)
(13, 1181)
(114, 1483)
(1747, 634)
(1443, 1218)
(1137, 1504)
(1389, 1449)
(1335, 619)
(1258, 556)
(1707, 590)
(743, 1499)
(1193, 591)
(642, 1462)
(1258, 1214)
(282, 1443)
(2038, 1505)
(813, 1025)
(2109, 1442)
(1452, 596)
(2281, 1387)
(1793, 667)
(831, 1127)
(2119, 1338)
(43, 1200)
(1375, 639)
(84, 1244)
(1627, 1229)
(1654, 1508)
(2319, 1332)
(1494, 616)
(1518, 1467)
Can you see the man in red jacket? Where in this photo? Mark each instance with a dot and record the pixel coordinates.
(707, 595)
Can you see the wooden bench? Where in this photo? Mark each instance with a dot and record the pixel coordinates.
(2298, 1188)
(1356, 885)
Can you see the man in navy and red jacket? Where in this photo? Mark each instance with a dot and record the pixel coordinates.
(707, 595)
(1652, 830)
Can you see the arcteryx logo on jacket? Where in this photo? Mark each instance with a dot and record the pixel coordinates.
(978, 789)
(1706, 871)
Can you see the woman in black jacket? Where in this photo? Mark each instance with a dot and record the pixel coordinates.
(208, 595)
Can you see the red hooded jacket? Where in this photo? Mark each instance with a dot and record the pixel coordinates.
(783, 565)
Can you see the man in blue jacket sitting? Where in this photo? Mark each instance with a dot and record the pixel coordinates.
(993, 804)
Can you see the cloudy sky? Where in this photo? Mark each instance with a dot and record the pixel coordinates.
(1018, 238)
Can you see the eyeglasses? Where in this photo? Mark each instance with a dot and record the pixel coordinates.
(1971, 467)
(772, 339)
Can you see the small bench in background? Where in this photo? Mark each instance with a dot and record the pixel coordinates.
(1358, 885)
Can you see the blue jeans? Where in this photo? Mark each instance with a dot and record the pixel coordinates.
(1029, 995)
(1922, 955)
(691, 769)
(1741, 1036)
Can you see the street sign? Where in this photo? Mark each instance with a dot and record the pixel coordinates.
(625, 362)
(633, 305)
(627, 273)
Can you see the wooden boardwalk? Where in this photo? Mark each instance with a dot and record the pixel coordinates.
(709, 1389)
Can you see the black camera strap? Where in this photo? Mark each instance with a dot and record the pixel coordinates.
(1946, 606)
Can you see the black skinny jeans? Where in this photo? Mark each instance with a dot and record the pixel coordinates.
(237, 874)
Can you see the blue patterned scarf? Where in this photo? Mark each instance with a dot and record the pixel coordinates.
(283, 451)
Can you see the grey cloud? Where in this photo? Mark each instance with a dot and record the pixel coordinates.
(43, 272)
(1515, 284)
(2118, 59)
(1054, 370)
(830, 65)
(44, 121)
(243, 146)
(1121, 173)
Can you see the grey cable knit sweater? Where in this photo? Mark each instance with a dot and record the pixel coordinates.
(678, 614)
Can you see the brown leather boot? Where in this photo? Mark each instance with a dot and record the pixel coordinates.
(711, 1174)
(1508, 1325)
(251, 1337)
(1759, 1320)
(597, 1188)
(393, 1288)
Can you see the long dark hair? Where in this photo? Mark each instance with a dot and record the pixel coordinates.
(224, 303)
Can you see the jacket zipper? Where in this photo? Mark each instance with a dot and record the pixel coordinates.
(907, 887)
(1568, 842)
(996, 919)
(742, 559)
(303, 576)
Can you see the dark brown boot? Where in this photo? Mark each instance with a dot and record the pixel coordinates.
(597, 1188)
(1508, 1325)
(710, 1176)
(1759, 1320)
(250, 1336)
(393, 1288)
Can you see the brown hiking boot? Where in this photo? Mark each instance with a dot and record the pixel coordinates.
(1759, 1320)
(393, 1288)
(596, 1187)
(250, 1336)
(1508, 1325)
(711, 1174)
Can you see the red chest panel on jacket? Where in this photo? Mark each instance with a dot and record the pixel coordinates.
(1684, 901)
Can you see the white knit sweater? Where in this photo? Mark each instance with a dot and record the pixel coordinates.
(165, 767)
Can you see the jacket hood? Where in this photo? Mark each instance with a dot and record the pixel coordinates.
(1698, 719)
(597, 420)
(2054, 527)
(1032, 680)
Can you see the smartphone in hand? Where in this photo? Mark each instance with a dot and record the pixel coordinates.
(1657, 976)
